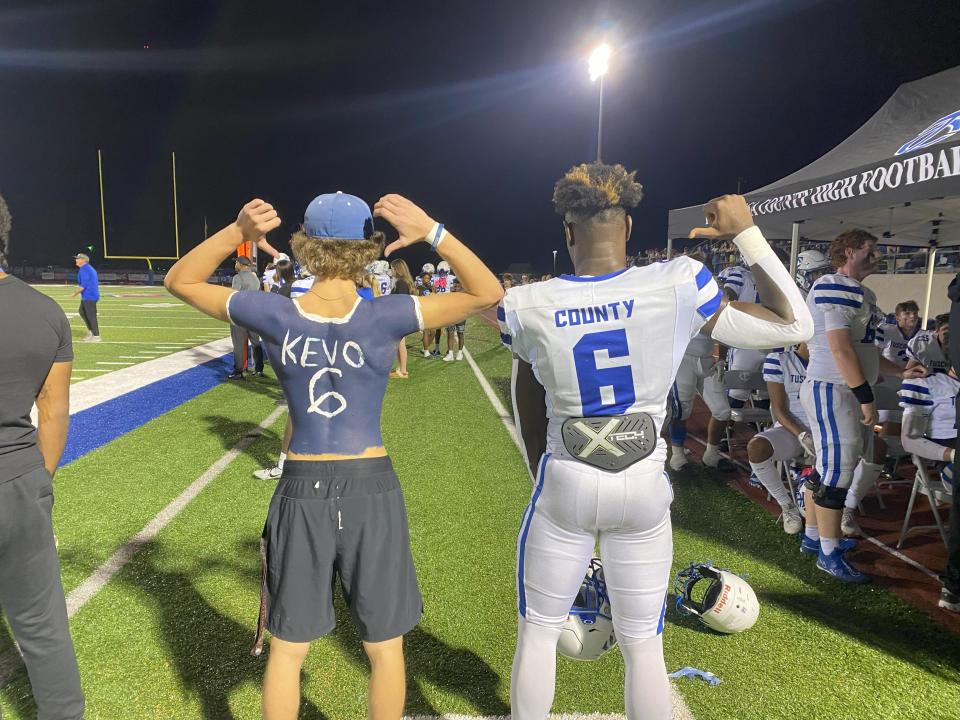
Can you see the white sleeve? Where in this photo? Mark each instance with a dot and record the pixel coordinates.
(738, 329)
(912, 436)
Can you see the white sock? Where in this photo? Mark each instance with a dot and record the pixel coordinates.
(283, 457)
(768, 476)
(534, 676)
(828, 545)
(864, 477)
(646, 692)
(711, 456)
(812, 531)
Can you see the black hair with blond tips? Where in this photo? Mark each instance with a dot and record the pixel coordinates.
(596, 191)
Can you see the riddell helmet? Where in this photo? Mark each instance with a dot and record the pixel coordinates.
(729, 604)
(443, 267)
(588, 632)
(427, 268)
(811, 264)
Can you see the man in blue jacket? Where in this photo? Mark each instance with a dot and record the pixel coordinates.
(89, 291)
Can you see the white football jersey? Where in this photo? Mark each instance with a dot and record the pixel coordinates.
(610, 344)
(299, 287)
(933, 397)
(740, 283)
(270, 278)
(384, 284)
(443, 283)
(893, 343)
(924, 347)
(790, 370)
(836, 302)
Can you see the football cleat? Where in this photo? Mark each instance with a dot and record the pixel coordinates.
(835, 564)
(448, 357)
(848, 523)
(460, 355)
(792, 522)
(812, 547)
(949, 601)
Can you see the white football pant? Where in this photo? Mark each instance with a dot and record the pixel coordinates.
(839, 437)
(695, 377)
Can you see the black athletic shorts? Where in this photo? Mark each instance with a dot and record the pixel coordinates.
(338, 519)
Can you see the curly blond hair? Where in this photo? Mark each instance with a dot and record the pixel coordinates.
(594, 189)
(329, 258)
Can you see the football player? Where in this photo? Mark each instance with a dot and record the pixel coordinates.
(699, 374)
(929, 347)
(443, 283)
(784, 372)
(811, 264)
(837, 394)
(892, 338)
(606, 344)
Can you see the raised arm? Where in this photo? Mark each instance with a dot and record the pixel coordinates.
(187, 279)
(782, 319)
(480, 287)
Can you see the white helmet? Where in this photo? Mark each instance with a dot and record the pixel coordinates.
(443, 266)
(427, 268)
(811, 264)
(371, 267)
(800, 480)
(381, 267)
(588, 631)
(728, 606)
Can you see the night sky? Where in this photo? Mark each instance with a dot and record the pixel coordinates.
(470, 109)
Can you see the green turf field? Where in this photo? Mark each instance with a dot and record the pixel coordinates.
(170, 635)
(136, 324)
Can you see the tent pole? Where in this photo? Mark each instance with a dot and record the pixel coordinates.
(794, 248)
(669, 248)
(926, 302)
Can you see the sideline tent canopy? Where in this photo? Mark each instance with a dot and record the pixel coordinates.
(898, 176)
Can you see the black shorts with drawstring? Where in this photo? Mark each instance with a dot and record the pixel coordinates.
(338, 519)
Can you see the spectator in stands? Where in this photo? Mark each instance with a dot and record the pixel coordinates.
(507, 281)
(245, 279)
(37, 357)
(88, 288)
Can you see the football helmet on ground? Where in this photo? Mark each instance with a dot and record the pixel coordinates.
(588, 631)
(729, 605)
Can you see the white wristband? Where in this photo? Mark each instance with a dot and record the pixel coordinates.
(436, 235)
(752, 245)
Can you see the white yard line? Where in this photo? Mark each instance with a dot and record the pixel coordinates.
(87, 393)
(95, 582)
(680, 709)
(869, 538)
(112, 362)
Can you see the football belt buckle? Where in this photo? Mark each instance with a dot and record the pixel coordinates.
(611, 443)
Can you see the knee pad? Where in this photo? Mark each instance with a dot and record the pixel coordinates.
(832, 498)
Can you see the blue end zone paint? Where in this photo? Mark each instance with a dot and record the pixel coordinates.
(94, 427)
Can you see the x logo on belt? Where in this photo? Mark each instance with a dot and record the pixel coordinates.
(598, 439)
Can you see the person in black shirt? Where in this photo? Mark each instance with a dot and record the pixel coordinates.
(37, 359)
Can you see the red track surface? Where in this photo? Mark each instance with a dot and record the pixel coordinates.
(923, 546)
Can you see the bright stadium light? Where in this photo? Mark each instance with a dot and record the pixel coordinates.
(599, 62)
(598, 65)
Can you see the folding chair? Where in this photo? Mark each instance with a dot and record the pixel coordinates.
(751, 381)
(936, 494)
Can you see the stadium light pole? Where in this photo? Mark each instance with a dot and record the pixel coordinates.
(598, 64)
(554, 263)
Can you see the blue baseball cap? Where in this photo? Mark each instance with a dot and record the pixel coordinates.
(339, 216)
